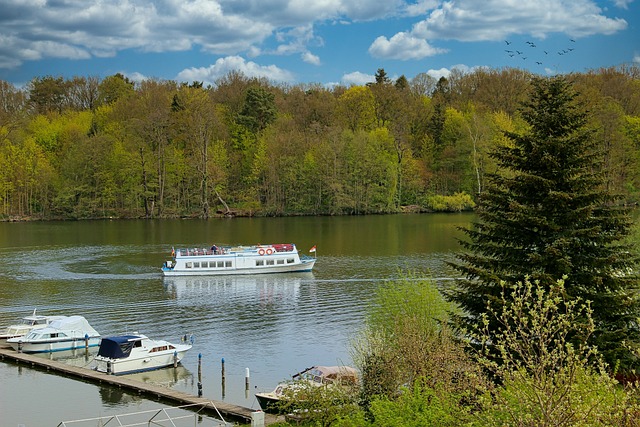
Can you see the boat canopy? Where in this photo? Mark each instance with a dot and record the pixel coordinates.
(329, 374)
(117, 347)
(77, 324)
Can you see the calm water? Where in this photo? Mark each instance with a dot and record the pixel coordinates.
(274, 325)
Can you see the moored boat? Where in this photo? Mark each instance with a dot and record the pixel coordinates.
(314, 376)
(67, 333)
(227, 260)
(26, 325)
(127, 354)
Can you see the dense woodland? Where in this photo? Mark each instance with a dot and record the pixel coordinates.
(95, 148)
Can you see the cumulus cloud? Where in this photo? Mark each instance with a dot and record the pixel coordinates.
(310, 58)
(468, 20)
(357, 79)
(636, 58)
(402, 46)
(490, 20)
(209, 75)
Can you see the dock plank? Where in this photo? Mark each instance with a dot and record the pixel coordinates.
(229, 411)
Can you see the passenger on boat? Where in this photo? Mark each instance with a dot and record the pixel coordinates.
(214, 249)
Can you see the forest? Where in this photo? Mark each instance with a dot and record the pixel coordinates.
(112, 148)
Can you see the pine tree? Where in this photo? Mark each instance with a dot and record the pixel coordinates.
(545, 215)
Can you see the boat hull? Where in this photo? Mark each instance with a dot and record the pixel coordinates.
(269, 403)
(241, 260)
(51, 346)
(140, 363)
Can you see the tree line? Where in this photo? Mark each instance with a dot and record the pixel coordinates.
(91, 148)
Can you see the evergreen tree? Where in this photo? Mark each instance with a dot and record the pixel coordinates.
(546, 215)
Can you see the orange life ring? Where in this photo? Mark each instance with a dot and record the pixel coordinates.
(269, 251)
(261, 251)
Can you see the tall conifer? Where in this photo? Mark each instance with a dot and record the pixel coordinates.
(546, 214)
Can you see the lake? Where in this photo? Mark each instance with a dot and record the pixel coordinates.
(272, 325)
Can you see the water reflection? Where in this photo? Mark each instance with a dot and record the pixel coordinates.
(266, 289)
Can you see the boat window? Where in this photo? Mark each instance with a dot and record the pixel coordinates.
(188, 265)
(196, 265)
(137, 344)
(280, 261)
(259, 262)
(227, 264)
(171, 347)
(290, 261)
(270, 262)
(220, 264)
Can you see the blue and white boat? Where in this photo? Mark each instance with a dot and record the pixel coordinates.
(127, 354)
(227, 260)
(68, 333)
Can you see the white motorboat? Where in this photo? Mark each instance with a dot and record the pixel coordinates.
(126, 354)
(26, 325)
(314, 376)
(226, 260)
(68, 333)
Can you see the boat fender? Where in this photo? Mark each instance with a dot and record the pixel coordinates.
(261, 251)
(269, 251)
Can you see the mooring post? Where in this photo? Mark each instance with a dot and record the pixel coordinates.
(199, 374)
(86, 341)
(246, 379)
(175, 359)
(223, 378)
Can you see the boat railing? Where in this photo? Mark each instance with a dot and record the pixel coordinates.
(226, 250)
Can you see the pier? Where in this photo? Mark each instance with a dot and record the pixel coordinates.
(230, 412)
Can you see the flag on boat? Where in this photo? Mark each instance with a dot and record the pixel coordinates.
(313, 249)
(173, 252)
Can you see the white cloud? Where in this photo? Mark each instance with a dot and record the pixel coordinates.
(357, 78)
(310, 58)
(469, 20)
(490, 20)
(622, 4)
(402, 46)
(209, 75)
(636, 58)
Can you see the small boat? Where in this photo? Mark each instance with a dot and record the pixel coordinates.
(68, 333)
(127, 354)
(314, 376)
(26, 325)
(226, 260)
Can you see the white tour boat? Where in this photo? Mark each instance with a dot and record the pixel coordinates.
(68, 333)
(127, 354)
(224, 260)
(314, 376)
(26, 325)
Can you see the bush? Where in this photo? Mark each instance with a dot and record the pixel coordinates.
(457, 203)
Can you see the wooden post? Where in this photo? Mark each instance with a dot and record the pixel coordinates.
(223, 379)
(199, 374)
(175, 359)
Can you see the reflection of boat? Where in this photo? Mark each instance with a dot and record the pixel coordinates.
(315, 376)
(27, 324)
(61, 334)
(226, 260)
(126, 354)
(283, 288)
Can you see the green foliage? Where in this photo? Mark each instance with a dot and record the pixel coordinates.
(457, 203)
(548, 375)
(547, 214)
(375, 148)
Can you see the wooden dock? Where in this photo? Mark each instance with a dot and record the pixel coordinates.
(229, 411)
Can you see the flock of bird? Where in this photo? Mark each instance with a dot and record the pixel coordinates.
(514, 53)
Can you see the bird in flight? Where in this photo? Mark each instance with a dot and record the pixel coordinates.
(507, 42)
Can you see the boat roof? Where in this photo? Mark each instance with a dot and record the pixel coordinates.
(124, 338)
(76, 323)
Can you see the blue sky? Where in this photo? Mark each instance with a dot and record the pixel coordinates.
(311, 41)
